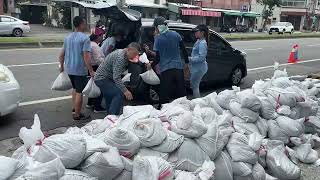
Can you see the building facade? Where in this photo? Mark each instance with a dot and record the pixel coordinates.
(225, 4)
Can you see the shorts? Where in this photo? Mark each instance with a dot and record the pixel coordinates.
(78, 82)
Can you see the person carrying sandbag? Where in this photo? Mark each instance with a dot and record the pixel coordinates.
(75, 61)
(108, 77)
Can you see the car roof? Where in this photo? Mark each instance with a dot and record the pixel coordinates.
(149, 23)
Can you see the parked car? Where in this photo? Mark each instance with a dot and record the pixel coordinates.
(281, 27)
(225, 63)
(13, 26)
(9, 91)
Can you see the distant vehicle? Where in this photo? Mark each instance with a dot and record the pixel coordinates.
(13, 26)
(9, 91)
(281, 27)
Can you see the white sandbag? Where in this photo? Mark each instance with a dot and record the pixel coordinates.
(282, 96)
(243, 113)
(313, 91)
(295, 112)
(224, 97)
(125, 141)
(255, 141)
(268, 108)
(150, 132)
(262, 125)
(97, 126)
(200, 102)
(189, 156)
(70, 149)
(223, 169)
(144, 58)
(259, 87)
(298, 77)
(211, 101)
(269, 177)
(305, 108)
(306, 154)
(91, 90)
(312, 124)
(126, 174)
(183, 102)
(205, 172)
(249, 100)
(299, 93)
(276, 133)
(284, 110)
(258, 172)
(241, 169)
(278, 73)
(151, 168)
(70, 174)
(214, 140)
(51, 170)
(7, 167)
(25, 162)
(207, 114)
(281, 82)
(184, 175)
(149, 152)
(239, 149)
(278, 162)
(245, 128)
(290, 126)
(188, 125)
(106, 165)
(126, 78)
(150, 77)
(170, 143)
(32, 136)
(62, 83)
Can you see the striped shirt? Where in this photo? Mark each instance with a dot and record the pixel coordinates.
(112, 68)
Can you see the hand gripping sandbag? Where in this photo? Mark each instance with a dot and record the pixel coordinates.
(106, 165)
(125, 141)
(151, 168)
(189, 156)
(150, 77)
(70, 174)
(91, 90)
(150, 132)
(51, 170)
(62, 83)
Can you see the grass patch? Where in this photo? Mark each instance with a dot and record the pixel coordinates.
(28, 40)
(267, 36)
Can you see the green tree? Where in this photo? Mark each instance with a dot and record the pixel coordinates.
(268, 8)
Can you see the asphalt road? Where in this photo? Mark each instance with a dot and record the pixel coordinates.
(36, 69)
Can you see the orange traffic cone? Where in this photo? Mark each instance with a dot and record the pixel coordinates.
(293, 57)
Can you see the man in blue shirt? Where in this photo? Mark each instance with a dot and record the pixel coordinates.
(167, 46)
(75, 61)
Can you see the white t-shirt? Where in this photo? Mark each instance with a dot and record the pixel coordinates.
(110, 41)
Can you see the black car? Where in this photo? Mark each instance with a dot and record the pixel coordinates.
(225, 63)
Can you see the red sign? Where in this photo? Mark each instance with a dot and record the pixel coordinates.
(199, 12)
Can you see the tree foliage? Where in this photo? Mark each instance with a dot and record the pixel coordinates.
(268, 9)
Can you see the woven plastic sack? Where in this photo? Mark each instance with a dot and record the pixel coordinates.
(239, 149)
(214, 140)
(184, 175)
(170, 143)
(150, 77)
(205, 172)
(241, 169)
(276, 133)
(7, 167)
(212, 102)
(268, 108)
(299, 93)
(149, 152)
(98, 126)
(278, 162)
(106, 165)
(127, 172)
(260, 86)
(51, 170)
(291, 127)
(281, 82)
(207, 114)
(243, 113)
(244, 127)
(25, 162)
(223, 169)
(32, 136)
(125, 141)
(312, 125)
(188, 125)
(249, 100)
(69, 148)
(189, 156)
(62, 83)
(224, 97)
(76, 175)
(91, 90)
(151, 168)
(262, 125)
(150, 132)
(282, 96)
(306, 154)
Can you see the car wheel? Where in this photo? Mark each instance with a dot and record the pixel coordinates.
(236, 76)
(17, 32)
(291, 31)
(270, 33)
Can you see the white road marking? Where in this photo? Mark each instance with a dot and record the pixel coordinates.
(38, 64)
(257, 49)
(313, 45)
(28, 49)
(69, 97)
(44, 101)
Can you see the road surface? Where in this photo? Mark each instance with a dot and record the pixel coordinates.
(36, 69)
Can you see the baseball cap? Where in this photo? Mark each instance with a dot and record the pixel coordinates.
(159, 21)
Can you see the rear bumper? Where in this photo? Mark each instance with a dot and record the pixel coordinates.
(9, 98)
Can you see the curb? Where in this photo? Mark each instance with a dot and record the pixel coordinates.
(248, 38)
(30, 45)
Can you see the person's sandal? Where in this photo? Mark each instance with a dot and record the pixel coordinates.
(81, 117)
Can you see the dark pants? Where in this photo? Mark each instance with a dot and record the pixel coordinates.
(112, 94)
(172, 85)
(96, 102)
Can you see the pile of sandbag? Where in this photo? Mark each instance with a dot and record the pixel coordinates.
(231, 135)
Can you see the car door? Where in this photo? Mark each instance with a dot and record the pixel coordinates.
(221, 59)
(5, 25)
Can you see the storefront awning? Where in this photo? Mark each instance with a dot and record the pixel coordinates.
(251, 14)
(233, 13)
(199, 12)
